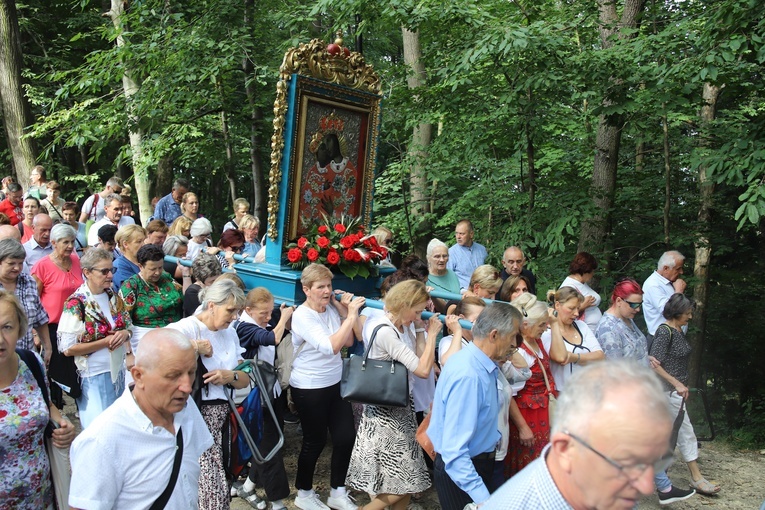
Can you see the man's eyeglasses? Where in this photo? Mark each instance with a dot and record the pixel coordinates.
(105, 271)
(632, 304)
(632, 472)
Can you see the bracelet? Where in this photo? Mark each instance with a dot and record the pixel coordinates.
(196, 347)
(419, 330)
(578, 358)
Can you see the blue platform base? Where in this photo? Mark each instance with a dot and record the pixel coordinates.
(285, 284)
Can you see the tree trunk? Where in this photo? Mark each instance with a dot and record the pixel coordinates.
(667, 175)
(702, 246)
(130, 87)
(228, 164)
(16, 113)
(530, 156)
(596, 229)
(256, 116)
(417, 152)
(163, 182)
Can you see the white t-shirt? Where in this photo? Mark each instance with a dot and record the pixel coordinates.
(88, 207)
(589, 344)
(123, 462)
(227, 353)
(444, 345)
(316, 365)
(591, 314)
(93, 232)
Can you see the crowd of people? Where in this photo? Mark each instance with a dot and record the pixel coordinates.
(507, 403)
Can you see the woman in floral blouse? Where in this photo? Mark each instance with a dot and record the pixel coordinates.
(24, 414)
(153, 297)
(95, 328)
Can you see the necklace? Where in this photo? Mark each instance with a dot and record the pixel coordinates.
(574, 336)
(60, 263)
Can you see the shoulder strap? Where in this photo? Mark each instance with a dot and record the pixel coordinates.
(297, 353)
(372, 340)
(31, 361)
(669, 345)
(163, 498)
(93, 208)
(541, 365)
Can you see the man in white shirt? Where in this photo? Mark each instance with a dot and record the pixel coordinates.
(39, 246)
(124, 460)
(659, 287)
(94, 206)
(113, 216)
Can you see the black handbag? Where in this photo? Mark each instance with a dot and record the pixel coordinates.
(373, 381)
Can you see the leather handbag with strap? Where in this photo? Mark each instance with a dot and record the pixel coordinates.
(373, 381)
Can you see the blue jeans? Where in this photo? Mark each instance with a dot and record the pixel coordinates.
(98, 393)
(662, 481)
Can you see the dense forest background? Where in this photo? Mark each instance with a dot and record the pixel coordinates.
(622, 128)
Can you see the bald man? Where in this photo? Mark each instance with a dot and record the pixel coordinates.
(513, 263)
(611, 434)
(125, 458)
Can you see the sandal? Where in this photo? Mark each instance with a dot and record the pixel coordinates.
(704, 486)
(251, 497)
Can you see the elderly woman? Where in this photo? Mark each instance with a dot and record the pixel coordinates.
(219, 351)
(58, 275)
(181, 226)
(530, 420)
(205, 270)
(321, 327)
(250, 226)
(30, 207)
(441, 278)
(95, 328)
(386, 459)
(199, 241)
(24, 287)
(190, 206)
(24, 414)
(231, 243)
(129, 240)
(673, 352)
(572, 343)
(241, 207)
(484, 283)
(581, 270)
(152, 297)
(176, 246)
(513, 287)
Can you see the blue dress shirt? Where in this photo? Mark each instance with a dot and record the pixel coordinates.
(167, 210)
(463, 423)
(463, 260)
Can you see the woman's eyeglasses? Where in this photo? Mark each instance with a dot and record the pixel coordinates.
(633, 305)
(237, 249)
(104, 271)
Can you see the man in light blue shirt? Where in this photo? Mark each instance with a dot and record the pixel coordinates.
(463, 424)
(611, 433)
(39, 246)
(466, 255)
(169, 207)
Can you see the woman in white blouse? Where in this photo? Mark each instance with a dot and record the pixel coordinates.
(581, 270)
(220, 352)
(321, 327)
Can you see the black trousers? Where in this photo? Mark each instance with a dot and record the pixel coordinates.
(452, 497)
(322, 409)
(272, 474)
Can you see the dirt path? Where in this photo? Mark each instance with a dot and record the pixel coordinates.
(741, 474)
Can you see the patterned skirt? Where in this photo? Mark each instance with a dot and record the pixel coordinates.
(519, 456)
(386, 458)
(213, 487)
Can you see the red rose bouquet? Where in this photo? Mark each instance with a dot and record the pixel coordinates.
(342, 245)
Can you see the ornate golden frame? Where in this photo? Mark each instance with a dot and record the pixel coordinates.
(348, 69)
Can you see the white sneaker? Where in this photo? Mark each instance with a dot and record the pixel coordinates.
(312, 502)
(345, 502)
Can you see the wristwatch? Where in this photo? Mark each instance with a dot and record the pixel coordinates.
(236, 376)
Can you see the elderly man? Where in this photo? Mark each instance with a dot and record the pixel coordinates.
(39, 246)
(463, 424)
(466, 255)
(113, 216)
(94, 207)
(610, 436)
(514, 262)
(126, 458)
(169, 207)
(11, 206)
(659, 287)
